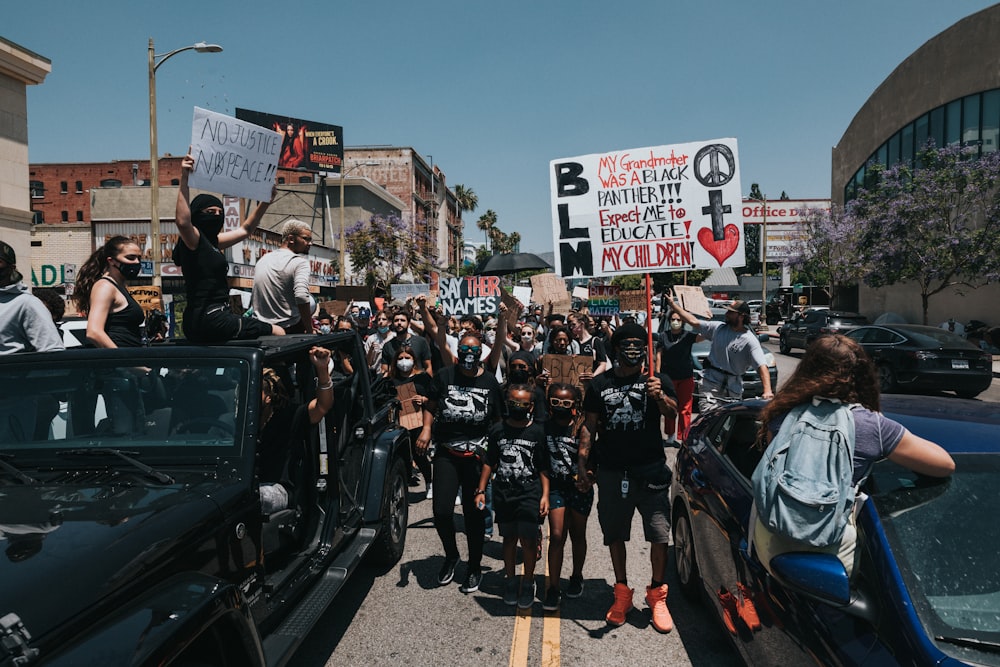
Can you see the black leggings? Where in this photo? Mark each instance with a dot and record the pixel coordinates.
(450, 473)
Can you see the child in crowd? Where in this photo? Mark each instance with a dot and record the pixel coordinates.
(516, 451)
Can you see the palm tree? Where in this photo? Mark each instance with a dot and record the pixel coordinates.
(487, 221)
(466, 200)
(514, 241)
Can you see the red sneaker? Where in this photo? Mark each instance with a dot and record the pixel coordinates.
(729, 612)
(621, 606)
(656, 598)
(746, 609)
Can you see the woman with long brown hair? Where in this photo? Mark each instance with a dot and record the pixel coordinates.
(114, 318)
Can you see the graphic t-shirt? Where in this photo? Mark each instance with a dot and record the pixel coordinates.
(563, 448)
(517, 454)
(466, 406)
(629, 420)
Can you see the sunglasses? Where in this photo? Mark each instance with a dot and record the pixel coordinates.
(633, 343)
(465, 349)
(519, 404)
(562, 402)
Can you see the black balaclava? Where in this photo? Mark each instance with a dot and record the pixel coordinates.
(9, 275)
(517, 378)
(209, 225)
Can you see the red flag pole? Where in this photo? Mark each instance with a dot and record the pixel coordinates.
(649, 324)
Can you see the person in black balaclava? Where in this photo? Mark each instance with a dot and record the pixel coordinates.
(208, 317)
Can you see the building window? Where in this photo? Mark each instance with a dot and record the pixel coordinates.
(38, 217)
(79, 216)
(991, 120)
(953, 123)
(906, 145)
(63, 187)
(970, 121)
(79, 187)
(175, 181)
(37, 189)
(111, 183)
(937, 127)
(305, 179)
(281, 180)
(893, 150)
(64, 216)
(36, 244)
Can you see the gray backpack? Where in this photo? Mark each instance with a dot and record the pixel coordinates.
(803, 486)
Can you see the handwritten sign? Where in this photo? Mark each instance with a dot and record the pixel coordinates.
(632, 299)
(522, 293)
(693, 300)
(232, 156)
(147, 296)
(602, 300)
(661, 208)
(514, 309)
(471, 295)
(567, 369)
(549, 288)
(403, 292)
(334, 308)
(410, 415)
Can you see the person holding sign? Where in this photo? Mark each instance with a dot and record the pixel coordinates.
(735, 349)
(632, 474)
(208, 317)
(404, 371)
(673, 357)
(114, 318)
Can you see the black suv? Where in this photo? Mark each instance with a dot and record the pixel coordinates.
(806, 327)
(130, 513)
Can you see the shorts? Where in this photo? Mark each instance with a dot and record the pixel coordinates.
(516, 508)
(216, 323)
(566, 494)
(615, 512)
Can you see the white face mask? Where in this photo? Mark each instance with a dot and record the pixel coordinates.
(676, 325)
(405, 365)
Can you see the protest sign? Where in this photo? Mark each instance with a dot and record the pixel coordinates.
(602, 300)
(147, 296)
(514, 309)
(334, 308)
(632, 299)
(661, 208)
(403, 292)
(232, 156)
(566, 369)
(410, 415)
(693, 300)
(580, 292)
(523, 294)
(549, 288)
(471, 295)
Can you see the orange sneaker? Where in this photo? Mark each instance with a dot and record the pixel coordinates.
(656, 598)
(729, 611)
(746, 609)
(621, 606)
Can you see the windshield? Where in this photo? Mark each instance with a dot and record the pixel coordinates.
(944, 537)
(96, 403)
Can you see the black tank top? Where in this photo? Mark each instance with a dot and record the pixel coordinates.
(123, 327)
(205, 271)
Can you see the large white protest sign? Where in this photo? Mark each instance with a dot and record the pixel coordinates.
(233, 157)
(660, 208)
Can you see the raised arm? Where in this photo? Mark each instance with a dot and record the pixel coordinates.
(676, 307)
(496, 352)
(227, 239)
(182, 215)
(323, 401)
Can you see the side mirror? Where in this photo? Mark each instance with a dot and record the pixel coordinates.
(816, 575)
(763, 337)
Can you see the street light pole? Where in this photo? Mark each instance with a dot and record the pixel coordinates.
(343, 234)
(155, 60)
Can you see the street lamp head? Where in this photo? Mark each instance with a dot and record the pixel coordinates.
(202, 47)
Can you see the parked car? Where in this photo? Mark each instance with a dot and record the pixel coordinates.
(752, 386)
(130, 510)
(911, 357)
(923, 588)
(807, 326)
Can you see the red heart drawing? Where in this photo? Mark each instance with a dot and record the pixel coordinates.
(720, 250)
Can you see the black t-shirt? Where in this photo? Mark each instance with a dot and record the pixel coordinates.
(517, 454)
(466, 407)
(595, 348)
(421, 350)
(629, 420)
(563, 446)
(676, 358)
(204, 270)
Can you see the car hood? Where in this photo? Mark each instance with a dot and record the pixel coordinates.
(67, 548)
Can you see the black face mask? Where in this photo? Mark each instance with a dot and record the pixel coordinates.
(631, 356)
(130, 271)
(561, 413)
(518, 376)
(518, 413)
(208, 224)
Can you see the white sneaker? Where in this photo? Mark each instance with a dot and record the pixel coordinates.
(430, 491)
(458, 499)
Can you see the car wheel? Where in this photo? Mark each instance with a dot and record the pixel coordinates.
(684, 557)
(388, 547)
(783, 345)
(886, 379)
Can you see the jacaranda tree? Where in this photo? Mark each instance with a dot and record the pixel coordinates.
(385, 250)
(937, 225)
(828, 250)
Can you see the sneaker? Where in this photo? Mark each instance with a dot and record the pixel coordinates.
(575, 588)
(458, 499)
(656, 598)
(746, 609)
(729, 611)
(430, 491)
(621, 606)
(510, 587)
(552, 599)
(447, 571)
(526, 597)
(414, 477)
(472, 581)
(488, 535)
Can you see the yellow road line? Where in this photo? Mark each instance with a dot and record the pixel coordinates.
(550, 622)
(522, 633)
(520, 644)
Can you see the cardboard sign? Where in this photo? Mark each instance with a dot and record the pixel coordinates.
(660, 208)
(410, 415)
(632, 299)
(334, 308)
(471, 295)
(403, 292)
(580, 292)
(693, 300)
(233, 157)
(549, 288)
(514, 310)
(522, 294)
(566, 369)
(603, 300)
(147, 296)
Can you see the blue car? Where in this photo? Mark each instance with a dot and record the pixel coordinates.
(926, 590)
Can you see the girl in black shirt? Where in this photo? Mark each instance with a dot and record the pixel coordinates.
(114, 318)
(404, 370)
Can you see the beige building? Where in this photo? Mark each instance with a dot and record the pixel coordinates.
(19, 68)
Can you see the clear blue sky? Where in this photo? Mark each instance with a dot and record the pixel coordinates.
(492, 90)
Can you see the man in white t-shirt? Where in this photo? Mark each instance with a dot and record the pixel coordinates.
(281, 281)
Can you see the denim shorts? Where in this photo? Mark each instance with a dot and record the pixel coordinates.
(567, 495)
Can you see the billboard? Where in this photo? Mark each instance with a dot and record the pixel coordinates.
(658, 208)
(305, 145)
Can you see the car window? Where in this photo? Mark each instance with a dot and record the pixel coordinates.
(853, 321)
(880, 336)
(813, 317)
(741, 446)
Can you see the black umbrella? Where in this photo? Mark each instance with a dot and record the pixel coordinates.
(501, 265)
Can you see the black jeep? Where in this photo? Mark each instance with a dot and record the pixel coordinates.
(131, 520)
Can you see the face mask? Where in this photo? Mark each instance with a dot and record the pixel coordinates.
(324, 328)
(631, 355)
(518, 376)
(518, 412)
(208, 224)
(562, 414)
(405, 365)
(676, 325)
(383, 330)
(469, 361)
(130, 271)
